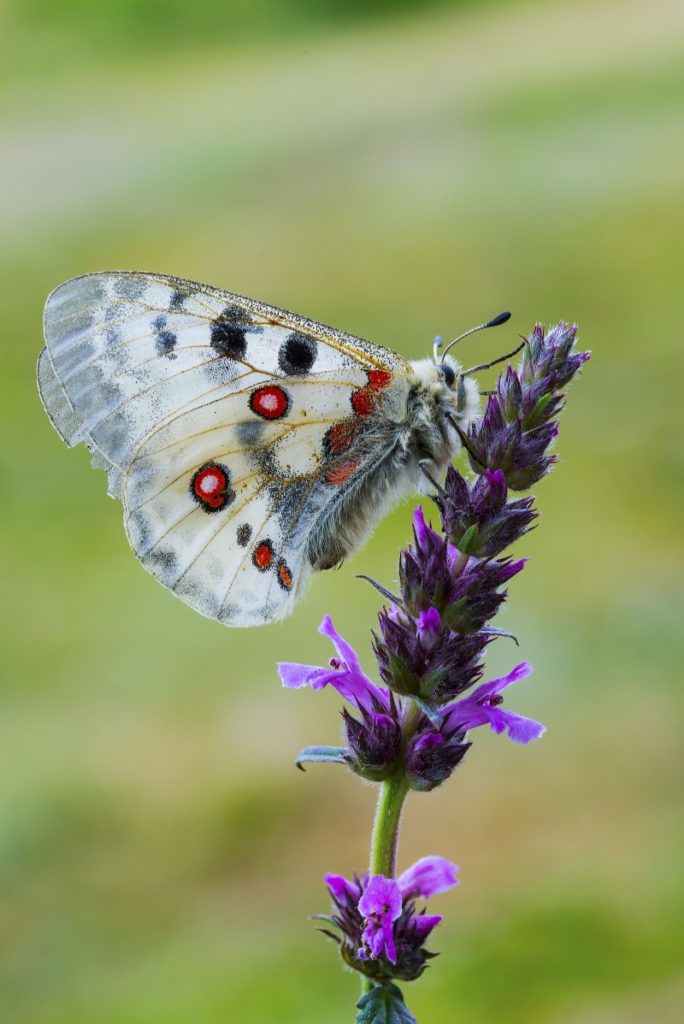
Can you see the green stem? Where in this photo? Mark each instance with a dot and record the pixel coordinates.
(385, 837)
(391, 796)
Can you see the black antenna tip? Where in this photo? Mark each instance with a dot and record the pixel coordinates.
(500, 319)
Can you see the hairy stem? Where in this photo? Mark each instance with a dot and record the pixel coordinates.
(385, 837)
(391, 796)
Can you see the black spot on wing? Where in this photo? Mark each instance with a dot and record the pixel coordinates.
(297, 354)
(228, 337)
(164, 562)
(244, 533)
(177, 299)
(249, 434)
(237, 315)
(165, 340)
(130, 287)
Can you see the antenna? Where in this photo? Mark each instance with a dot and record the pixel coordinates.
(436, 345)
(494, 322)
(499, 359)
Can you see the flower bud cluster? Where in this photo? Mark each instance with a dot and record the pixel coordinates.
(518, 425)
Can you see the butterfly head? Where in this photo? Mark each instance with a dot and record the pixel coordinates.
(445, 388)
(442, 404)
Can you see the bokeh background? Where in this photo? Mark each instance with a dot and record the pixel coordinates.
(398, 170)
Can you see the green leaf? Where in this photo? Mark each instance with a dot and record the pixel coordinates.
(337, 755)
(466, 545)
(403, 681)
(537, 416)
(384, 1004)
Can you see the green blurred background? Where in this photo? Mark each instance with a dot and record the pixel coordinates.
(398, 170)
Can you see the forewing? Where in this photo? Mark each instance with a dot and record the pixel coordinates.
(125, 352)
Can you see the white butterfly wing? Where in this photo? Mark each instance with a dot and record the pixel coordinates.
(157, 376)
(220, 503)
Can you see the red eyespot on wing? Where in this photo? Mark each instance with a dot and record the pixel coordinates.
(210, 486)
(270, 402)
(339, 437)
(262, 556)
(379, 379)
(363, 402)
(284, 576)
(340, 474)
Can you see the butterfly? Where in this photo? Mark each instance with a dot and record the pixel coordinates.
(249, 445)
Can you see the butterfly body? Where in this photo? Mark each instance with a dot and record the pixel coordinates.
(250, 446)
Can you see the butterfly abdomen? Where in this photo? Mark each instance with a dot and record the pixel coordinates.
(363, 496)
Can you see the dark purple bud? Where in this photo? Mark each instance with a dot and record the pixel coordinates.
(425, 579)
(475, 594)
(477, 519)
(374, 741)
(510, 395)
(425, 658)
(432, 756)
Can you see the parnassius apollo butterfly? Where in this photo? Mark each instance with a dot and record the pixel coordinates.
(249, 445)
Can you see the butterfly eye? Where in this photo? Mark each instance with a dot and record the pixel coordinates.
(449, 375)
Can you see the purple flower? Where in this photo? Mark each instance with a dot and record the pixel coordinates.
(380, 906)
(483, 707)
(344, 674)
(381, 933)
(374, 738)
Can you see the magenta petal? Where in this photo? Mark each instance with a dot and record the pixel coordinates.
(345, 650)
(423, 925)
(294, 676)
(349, 679)
(428, 876)
(420, 526)
(381, 898)
(380, 905)
(342, 890)
(429, 626)
(390, 948)
(344, 674)
(495, 686)
(379, 937)
(480, 708)
(453, 558)
(497, 721)
(466, 714)
(521, 729)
